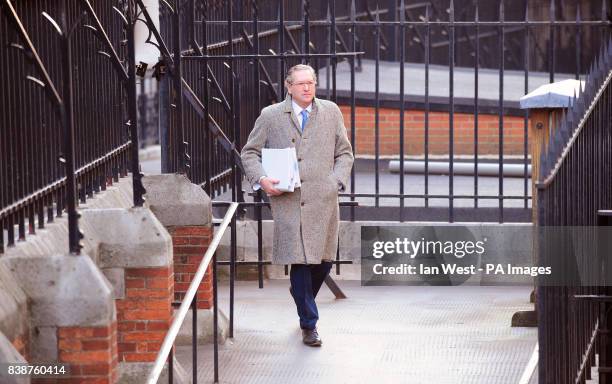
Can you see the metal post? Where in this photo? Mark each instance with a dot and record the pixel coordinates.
(476, 100)
(138, 189)
(194, 338)
(551, 44)
(74, 234)
(500, 179)
(208, 137)
(377, 111)
(171, 366)
(451, 114)
(281, 49)
(426, 122)
(215, 320)
(164, 124)
(178, 140)
(526, 115)
(257, 198)
(402, 59)
(353, 122)
(233, 250)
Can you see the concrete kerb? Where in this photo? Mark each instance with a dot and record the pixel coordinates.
(176, 202)
(135, 373)
(204, 328)
(55, 284)
(13, 306)
(59, 298)
(128, 238)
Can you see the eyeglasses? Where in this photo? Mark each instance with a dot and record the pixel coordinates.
(301, 84)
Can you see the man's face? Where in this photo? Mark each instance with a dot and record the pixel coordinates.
(302, 89)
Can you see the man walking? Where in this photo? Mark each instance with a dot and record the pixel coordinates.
(306, 220)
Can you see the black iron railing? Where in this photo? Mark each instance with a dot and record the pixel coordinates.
(233, 57)
(68, 102)
(576, 190)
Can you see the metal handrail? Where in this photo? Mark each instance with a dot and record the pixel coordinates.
(166, 346)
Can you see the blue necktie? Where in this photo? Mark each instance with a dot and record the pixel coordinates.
(304, 118)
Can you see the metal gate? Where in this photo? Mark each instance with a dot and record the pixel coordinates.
(231, 57)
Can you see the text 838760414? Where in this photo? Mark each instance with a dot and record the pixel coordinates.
(33, 370)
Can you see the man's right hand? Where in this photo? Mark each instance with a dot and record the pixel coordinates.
(267, 184)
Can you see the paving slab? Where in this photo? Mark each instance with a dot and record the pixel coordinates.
(393, 334)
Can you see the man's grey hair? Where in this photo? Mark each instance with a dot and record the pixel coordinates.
(299, 67)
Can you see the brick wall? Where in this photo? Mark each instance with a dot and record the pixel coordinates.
(414, 132)
(145, 313)
(91, 353)
(21, 344)
(189, 245)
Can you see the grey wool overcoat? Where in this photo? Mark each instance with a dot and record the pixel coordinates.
(306, 220)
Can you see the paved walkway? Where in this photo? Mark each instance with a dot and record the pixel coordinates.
(378, 335)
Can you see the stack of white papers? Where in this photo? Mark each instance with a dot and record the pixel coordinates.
(281, 164)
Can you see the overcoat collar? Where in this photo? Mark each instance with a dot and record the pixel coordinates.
(288, 108)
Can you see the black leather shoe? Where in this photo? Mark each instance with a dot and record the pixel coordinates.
(311, 337)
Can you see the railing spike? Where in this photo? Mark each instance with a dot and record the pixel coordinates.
(589, 78)
(557, 146)
(564, 130)
(353, 11)
(402, 14)
(602, 67)
(451, 11)
(501, 10)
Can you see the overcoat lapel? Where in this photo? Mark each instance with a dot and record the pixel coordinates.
(288, 108)
(312, 117)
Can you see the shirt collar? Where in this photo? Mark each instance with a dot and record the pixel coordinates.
(297, 109)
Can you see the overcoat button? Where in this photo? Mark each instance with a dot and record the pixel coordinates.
(302, 203)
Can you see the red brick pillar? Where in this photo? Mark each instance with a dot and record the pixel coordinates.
(91, 353)
(145, 313)
(21, 343)
(189, 244)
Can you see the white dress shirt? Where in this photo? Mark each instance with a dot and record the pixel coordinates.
(298, 111)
